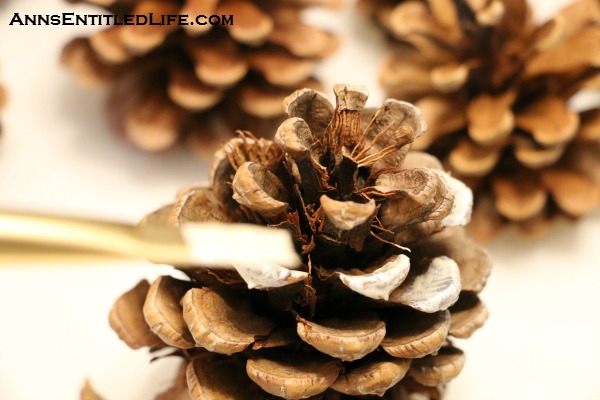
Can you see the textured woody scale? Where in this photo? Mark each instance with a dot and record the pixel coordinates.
(198, 83)
(494, 88)
(388, 274)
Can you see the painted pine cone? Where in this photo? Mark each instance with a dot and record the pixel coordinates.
(199, 83)
(388, 274)
(494, 88)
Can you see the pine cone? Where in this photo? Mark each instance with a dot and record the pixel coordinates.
(494, 89)
(388, 273)
(198, 83)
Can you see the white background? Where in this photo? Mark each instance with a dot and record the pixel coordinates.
(57, 155)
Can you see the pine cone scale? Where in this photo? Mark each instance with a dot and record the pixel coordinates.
(297, 376)
(372, 378)
(549, 121)
(473, 261)
(164, 314)
(490, 118)
(381, 281)
(433, 290)
(468, 315)
(222, 324)
(433, 370)
(109, 47)
(348, 339)
(140, 39)
(424, 336)
(126, 320)
(186, 91)
(252, 25)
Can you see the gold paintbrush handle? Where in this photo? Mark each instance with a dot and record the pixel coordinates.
(12, 254)
(216, 245)
(26, 236)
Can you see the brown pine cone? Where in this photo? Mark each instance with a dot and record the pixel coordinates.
(388, 274)
(200, 83)
(494, 88)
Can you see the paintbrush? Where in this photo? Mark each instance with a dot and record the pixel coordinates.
(31, 238)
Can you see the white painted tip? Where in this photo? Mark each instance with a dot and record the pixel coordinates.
(227, 244)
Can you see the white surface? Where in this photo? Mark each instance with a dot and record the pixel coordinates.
(541, 341)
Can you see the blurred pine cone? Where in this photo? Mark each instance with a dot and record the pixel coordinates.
(199, 82)
(494, 88)
(388, 272)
